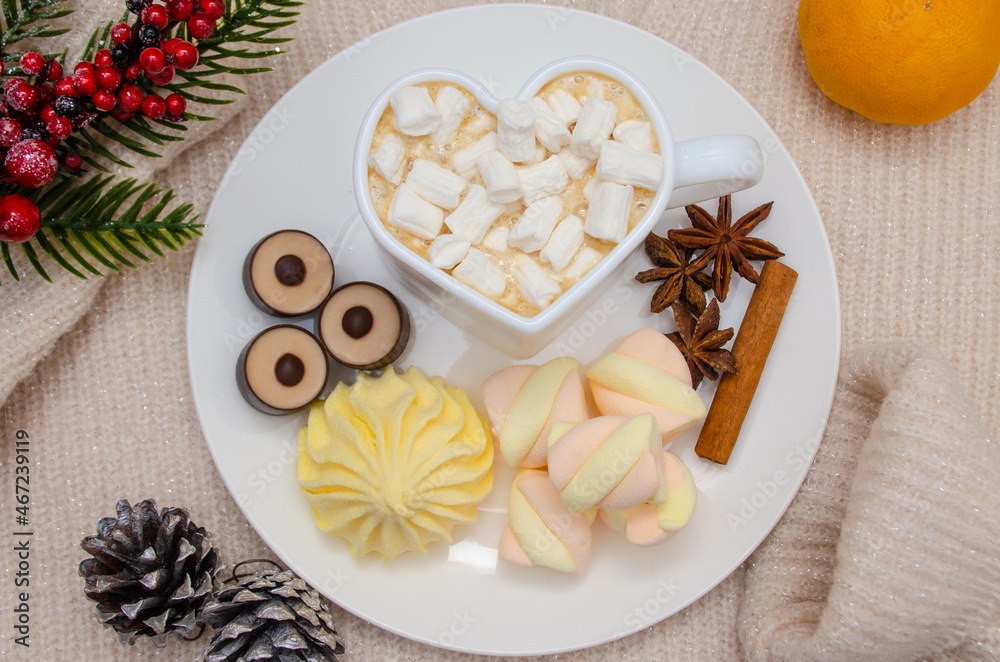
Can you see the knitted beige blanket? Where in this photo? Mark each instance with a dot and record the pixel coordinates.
(891, 551)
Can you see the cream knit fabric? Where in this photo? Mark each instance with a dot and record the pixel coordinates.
(872, 560)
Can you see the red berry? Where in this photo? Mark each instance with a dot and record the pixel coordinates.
(45, 94)
(185, 55)
(64, 87)
(163, 77)
(201, 25)
(134, 71)
(19, 95)
(102, 58)
(120, 33)
(109, 78)
(153, 106)
(156, 15)
(10, 132)
(19, 218)
(180, 9)
(152, 60)
(71, 161)
(55, 71)
(85, 83)
(48, 112)
(1, 67)
(84, 66)
(122, 116)
(104, 100)
(59, 127)
(32, 63)
(176, 105)
(214, 8)
(170, 44)
(130, 98)
(31, 163)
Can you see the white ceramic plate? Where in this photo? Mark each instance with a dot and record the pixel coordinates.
(295, 172)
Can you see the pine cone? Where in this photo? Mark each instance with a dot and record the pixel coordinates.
(150, 572)
(270, 615)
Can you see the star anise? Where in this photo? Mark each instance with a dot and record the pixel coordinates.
(701, 341)
(682, 281)
(727, 242)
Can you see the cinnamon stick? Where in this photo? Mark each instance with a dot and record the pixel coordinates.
(750, 349)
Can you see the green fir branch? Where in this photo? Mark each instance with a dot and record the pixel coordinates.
(103, 222)
(25, 19)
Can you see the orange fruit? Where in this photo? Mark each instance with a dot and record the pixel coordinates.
(901, 61)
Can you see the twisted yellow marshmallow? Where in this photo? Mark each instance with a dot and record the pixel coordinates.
(541, 531)
(523, 401)
(611, 462)
(668, 512)
(647, 374)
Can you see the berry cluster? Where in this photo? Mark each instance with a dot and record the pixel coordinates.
(42, 107)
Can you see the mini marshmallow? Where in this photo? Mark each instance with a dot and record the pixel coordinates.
(447, 250)
(576, 165)
(542, 179)
(464, 161)
(549, 129)
(538, 156)
(435, 184)
(412, 213)
(584, 262)
(474, 216)
(416, 114)
(609, 211)
(514, 207)
(388, 159)
(595, 89)
(564, 106)
(621, 164)
(635, 133)
(536, 286)
(563, 243)
(534, 226)
(499, 176)
(516, 130)
(453, 105)
(478, 272)
(496, 239)
(597, 120)
(590, 187)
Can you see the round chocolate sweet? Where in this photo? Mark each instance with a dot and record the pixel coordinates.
(363, 326)
(288, 273)
(282, 370)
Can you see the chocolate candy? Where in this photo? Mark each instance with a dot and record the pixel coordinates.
(282, 370)
(364, 326)
(288, 273)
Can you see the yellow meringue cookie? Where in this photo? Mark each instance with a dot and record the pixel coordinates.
(647, 373)
(541, 532)
(660, 518)
(611, 462)
(393, 462)
(523, 401)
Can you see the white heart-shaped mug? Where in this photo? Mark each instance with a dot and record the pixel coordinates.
(694, 170)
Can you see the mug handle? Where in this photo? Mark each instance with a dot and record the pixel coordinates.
(715, 166)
